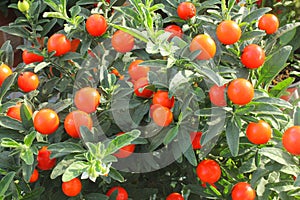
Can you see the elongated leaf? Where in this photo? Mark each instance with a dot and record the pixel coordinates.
(41, 66)
(121, 141)
(61, 167)
(5, 182)
(233, 136)
(278, 155)
(26, 117)
(27, 156)
(64, 148)
(74, 170)
(10, 143)
(34, 194)
(186, 147)
(273, 66)
(280, 88)
(8, 53)
(8, 82)
(113, 173)
(172, 133)
(273, 101)
(131, 31)
(255, 14)
(29, 138)
(297, 116)
(96, 196)
(252, 34)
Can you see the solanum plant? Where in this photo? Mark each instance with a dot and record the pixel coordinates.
(148, 99)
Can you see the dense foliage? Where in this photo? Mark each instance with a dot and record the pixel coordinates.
(145, 98)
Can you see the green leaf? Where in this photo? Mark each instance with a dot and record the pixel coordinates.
(27, 156)
(64, 148)
(95, 196)
(233, 136)
(8, 82)
(26, 117)
(10, 143)
(5, 182)
(10, 123)
(41, 66)
(114, 174)
(252, 34)
(172, 133)
(8, 53)
(255, 14)
(28, 139)
(61, 167)
(74, 170)
(121, 141)
(278, 155)
(135, 33)
(36, 193)
(186, 147)
(272, 101)
(297, 116)
(279, 89)
(273, 66)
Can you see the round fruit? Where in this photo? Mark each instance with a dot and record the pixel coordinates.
(291, 140)
(34, 177)
(152, 108)
(217, 95)
(206, 45)
(122, 193)
(240, 91)
(28, 81)
(59, 43)
(253, 56)
(5, 72)
(96, 25)
(23, 5)
(162, 98)
(74, 45)
(186, 10)
(46, 121)
(75, 120)
(259, 133)
(208, 171)
(72, 188)
(195, 139)
(269, 23)
(15, 111)
(136, 72)
(228, 32)
(31, 57)
(175, 196)
(140, 85)
(243, 190)
(87, 99)
(43, 159)
(162, 116)
(122, 42)
(126, 151)
(175, 30)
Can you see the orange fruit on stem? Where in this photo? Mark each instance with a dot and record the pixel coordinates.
(240, 91)
(5, 72)
(253, 56)
(136, 72)
(205, 44)
(15, 111)
(174, 196)
(71, 188)
(122, 193)
(269, 23)
(75, 120)
(208, 171)
(243, 190)
(43, 159)
(96, 25)
(291, 140)
(59, 43)
(217, 95)
(195, 139)
(259, 133)
(186, 10)
(162, 116)
(87, 99)
(29, 57)
(175, 30)
(46, 121)
(228, 32)
(140, 85)
(122, 42)
(28, 81)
